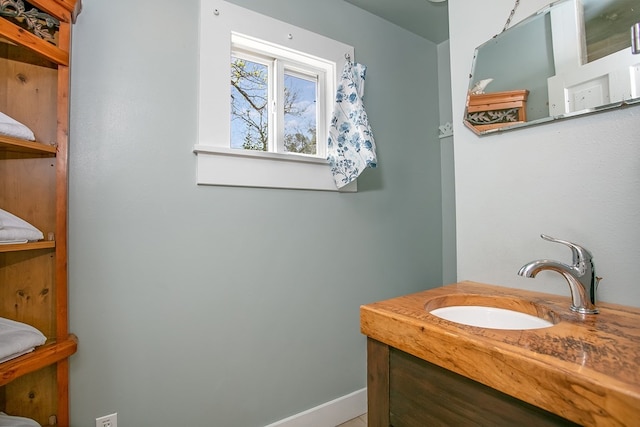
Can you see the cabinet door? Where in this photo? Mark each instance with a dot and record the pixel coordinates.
(421, 394)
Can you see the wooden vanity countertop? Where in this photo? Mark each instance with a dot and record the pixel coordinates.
(585, 368)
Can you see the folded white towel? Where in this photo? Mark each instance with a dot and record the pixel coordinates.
(14, 128)
(13, 421)
(14, 229)
(17, 338)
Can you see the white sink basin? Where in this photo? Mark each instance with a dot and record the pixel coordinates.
(490, 317)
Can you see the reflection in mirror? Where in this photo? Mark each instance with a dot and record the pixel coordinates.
(570, 58)
(607, 24)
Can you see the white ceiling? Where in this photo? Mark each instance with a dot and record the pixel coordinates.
(422, 17)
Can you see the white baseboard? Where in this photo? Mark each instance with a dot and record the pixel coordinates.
(329, 414)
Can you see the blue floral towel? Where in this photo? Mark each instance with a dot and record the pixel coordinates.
(351, 148)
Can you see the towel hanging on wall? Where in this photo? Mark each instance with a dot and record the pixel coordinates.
(351, 147)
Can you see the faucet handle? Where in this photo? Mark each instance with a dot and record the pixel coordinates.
(580, 254)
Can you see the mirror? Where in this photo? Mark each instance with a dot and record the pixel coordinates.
(572, 57)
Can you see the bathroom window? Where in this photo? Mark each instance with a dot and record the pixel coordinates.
(266, 92)
(278, 99)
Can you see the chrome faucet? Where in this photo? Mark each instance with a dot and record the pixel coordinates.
(581, 275)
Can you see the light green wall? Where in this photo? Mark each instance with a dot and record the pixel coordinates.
(447, 164)
(212, 306)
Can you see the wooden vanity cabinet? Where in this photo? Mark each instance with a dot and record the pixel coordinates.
(405, 391)
(583, 369)
(34, 90)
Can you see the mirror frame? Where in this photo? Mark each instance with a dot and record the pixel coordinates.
(514, 98)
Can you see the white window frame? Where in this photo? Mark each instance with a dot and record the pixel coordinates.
(281, 61)
(224, 25)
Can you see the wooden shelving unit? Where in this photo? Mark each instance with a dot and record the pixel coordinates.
(34, 90)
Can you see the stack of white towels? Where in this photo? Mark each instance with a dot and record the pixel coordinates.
(16, 230)
(13, 128)
(16, 339)
(12, 421)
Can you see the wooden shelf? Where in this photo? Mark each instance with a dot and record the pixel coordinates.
(34, 86)
(9, 144)
(496, 110)
(39, 358)
(29, 246)
(24, 38)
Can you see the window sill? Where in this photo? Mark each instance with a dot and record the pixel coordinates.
(243, 168)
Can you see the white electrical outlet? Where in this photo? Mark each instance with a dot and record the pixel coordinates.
(108, 420)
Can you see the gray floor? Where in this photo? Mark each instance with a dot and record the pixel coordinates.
(361, 421)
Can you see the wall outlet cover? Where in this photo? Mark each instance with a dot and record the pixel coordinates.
(108, 420)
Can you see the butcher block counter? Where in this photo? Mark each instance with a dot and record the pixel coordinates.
(585, 369)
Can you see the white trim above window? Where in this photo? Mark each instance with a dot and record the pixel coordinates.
(225, 27)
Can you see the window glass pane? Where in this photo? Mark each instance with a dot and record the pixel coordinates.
(608, 25)
(249, 105)
(300, 118)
